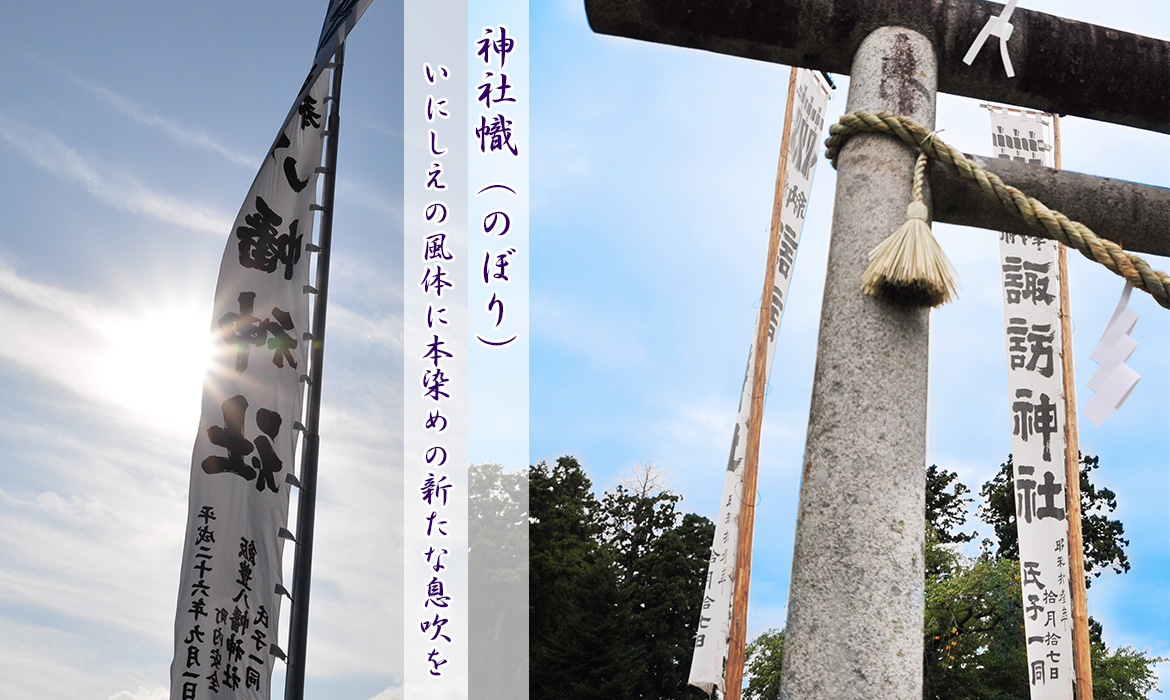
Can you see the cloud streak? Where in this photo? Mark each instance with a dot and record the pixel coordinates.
(107, 184)
(580, 329)
(177, 132)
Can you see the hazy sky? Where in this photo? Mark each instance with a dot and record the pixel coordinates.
(129, 135)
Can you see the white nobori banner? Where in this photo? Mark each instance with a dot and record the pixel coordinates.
(244, 450)
(244, 454)
(714, 630)
(1032, 334)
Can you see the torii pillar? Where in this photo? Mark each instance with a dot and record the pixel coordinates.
(856, 599)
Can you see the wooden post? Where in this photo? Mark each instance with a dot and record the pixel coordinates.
(1076, 549)
(733, 676)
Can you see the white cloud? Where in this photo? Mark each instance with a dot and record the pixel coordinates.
(102, 545)
(701, 422)
(106, 183)
(91, 536)
(143, 693)
(92, 531)
(393, 692)
(358, 542)
(373, 200)
(40, 661)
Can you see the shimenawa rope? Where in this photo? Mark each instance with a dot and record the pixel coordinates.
(1037, 216)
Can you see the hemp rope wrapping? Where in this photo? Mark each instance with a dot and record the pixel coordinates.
(1050, 224)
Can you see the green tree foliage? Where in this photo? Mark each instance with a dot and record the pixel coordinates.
(974, 646)
(616, 588)
(1102, 535)
(498, 524)
(764, 658)
(660, 559)
(974, 641)
(1121, 674)
(573, 599)
(946, 505)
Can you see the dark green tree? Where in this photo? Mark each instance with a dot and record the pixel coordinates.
(1102, 535)
(974, 644)
(660, 557)
(632, 523)
(574, 626)
(946, 505)
(616, 588)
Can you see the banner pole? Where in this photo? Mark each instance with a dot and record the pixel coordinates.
(733, 679)
(1082, 660)
(294, 684)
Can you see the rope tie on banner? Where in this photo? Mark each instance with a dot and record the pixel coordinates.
(1051, 224)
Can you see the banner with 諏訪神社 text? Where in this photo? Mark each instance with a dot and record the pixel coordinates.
(1032, 333)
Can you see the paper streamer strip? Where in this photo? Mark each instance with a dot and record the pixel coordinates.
(1114, 380)
(998, 26)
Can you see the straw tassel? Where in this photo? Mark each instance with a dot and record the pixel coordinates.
(910, 267)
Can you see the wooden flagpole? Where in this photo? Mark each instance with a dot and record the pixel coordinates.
(294, 679)
(1072, 462)
(733, 676)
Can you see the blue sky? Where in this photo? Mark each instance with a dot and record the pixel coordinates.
(129, 136)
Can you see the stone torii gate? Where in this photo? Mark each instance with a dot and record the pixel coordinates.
(856, 602)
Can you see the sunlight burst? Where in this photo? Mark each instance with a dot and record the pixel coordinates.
(157, 362)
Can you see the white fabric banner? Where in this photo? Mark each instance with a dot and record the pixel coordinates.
(711, 641)
(1031, 304)
(228, 607)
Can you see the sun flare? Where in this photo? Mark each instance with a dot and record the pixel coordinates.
(157, 362)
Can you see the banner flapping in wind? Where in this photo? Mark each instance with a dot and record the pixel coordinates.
(243, 460)
(714, 630)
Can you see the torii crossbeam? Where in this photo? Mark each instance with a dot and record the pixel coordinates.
(856, 600)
